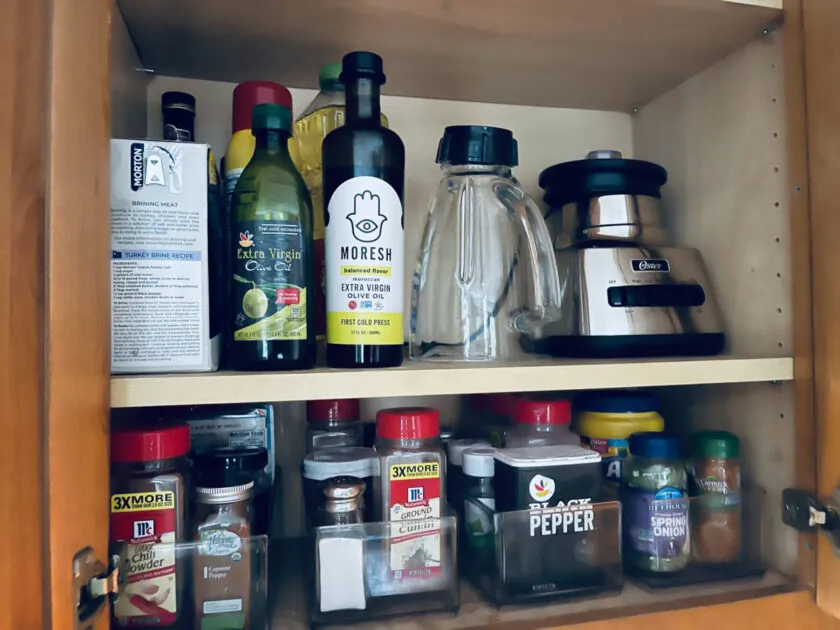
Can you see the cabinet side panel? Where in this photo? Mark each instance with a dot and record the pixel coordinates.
(128, 82)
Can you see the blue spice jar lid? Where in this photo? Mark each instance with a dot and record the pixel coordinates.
(618, 402)
(654, 445)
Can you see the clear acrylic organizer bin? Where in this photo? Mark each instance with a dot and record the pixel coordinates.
(724, 542)
(550, 553)
(373, 570)
(223, 584)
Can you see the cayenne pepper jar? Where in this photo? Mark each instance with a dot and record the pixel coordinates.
(149, 467)
(716, 480)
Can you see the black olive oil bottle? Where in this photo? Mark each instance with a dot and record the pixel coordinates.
(364, 174)
(271, 254)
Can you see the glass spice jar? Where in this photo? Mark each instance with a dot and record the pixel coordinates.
(333, 423)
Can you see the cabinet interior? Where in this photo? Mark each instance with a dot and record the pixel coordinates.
(720, 134)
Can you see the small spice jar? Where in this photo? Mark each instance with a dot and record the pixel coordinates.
(454, 474)
(541, 422)
(478, 466)
(654, 501)
(222, 565)
(342, 502)
(333, 423)
(716, 480)
(149, 472)
(322, 466)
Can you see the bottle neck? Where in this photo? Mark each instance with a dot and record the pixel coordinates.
(272, 141)
(363, 101)
(477, 169)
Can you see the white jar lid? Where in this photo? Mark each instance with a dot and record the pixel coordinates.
(456, 448)
(341, 461)
(560, 455)
(479, 461)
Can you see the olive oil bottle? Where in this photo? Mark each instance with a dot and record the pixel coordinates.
(364, 175)
(271, 254)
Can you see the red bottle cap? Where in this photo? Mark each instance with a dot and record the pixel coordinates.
(248, 95)
(408, 423)
(332, 410)
(542, 412)
(146, 445)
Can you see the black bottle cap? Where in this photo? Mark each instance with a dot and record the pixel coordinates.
(362, 64)
(476, 144)
(177, 100)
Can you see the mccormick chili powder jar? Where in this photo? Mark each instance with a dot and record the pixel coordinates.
(149, 467)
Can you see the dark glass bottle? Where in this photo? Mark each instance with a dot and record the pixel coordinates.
(178, 109)
(364, 175)
(271, 254)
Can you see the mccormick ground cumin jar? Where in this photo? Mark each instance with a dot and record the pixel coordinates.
(149, 468)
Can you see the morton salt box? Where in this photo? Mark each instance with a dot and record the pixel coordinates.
(167, 243)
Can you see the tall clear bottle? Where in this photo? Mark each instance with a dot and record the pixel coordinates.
(271, 253)
(364, 176)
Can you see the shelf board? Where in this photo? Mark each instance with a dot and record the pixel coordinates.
(588, 54)
(435, 379)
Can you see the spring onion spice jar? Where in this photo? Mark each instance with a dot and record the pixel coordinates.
(654, 502)
(716, 480)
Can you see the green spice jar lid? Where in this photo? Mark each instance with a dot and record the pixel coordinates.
(271, 116)
(716, 444)
(328, 77)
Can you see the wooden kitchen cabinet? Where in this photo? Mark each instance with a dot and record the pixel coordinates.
(736, 99)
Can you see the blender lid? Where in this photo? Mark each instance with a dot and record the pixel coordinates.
(601, 173)
(477, 144)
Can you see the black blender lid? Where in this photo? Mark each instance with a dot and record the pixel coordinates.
(602, 173)
(477, 144)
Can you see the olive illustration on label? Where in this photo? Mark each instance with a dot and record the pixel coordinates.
(255, 303)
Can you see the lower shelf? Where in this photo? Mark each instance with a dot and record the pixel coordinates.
(288, 601)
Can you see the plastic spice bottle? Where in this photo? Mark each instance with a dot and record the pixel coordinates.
(222, 566)
(454, 466)
(541, 423)
(478, 466)
(332, 423)
(716, 479)
(654, 501)
(149, 470)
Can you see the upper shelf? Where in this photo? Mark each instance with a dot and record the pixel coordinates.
(587, 54)
(434, 379)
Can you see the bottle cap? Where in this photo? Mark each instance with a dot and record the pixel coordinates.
(408, 423)
(329, 78)
(332, 410)
(618, 402)
(716, 445)
(248, 95)
(342, 461)
(542, 412)
(362, 64)
(479, 462)
(177, 100)
(654, 445)
(455, 449)
(271, 116)
(474, 144)
(228, 494)
(146, 445)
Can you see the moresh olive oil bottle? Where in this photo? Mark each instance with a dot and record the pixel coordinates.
(364, 174)
(271, 254)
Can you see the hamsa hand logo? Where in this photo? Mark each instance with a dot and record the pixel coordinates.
(366, 219)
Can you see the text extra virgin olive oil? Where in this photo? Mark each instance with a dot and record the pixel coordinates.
(271, 254)
(364, 173)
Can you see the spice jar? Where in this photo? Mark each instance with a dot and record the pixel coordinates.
(342, 502)
(541, 422)
(454, 474)
(654, 501)
(478, 470)
(354, 462)
(149, 469)
(716, 480)
(332, 423)
(222, 566)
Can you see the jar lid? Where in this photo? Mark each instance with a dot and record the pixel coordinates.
(477, 144)
(332, 410)
(617, 402)
(479, 461)
(654, 445)
(177, 100)
(271, 117)
(408, 423)
(342, 461)
(228, 494)
(148, 445)
(534, 456)
(542, 412)
(455, 449)
(716, 445)
(328, 78)
(248, 95)
(362, 64)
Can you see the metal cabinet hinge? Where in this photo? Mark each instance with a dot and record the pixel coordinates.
(95, 586)
(805, 513)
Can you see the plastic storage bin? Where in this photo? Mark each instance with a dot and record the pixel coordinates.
(374, 570)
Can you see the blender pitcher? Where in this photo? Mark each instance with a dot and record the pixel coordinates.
(486, 272)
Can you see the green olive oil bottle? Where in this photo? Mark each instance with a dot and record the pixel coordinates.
(271, 254)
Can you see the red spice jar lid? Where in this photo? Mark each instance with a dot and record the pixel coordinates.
(146, 445)
(542, 412)
(408, 423)
(248, 95)
(332, 410)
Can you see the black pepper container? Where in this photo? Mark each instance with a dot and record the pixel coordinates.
(178, 109)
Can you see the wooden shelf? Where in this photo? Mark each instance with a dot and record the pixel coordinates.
(589, 54)
(434, 379)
